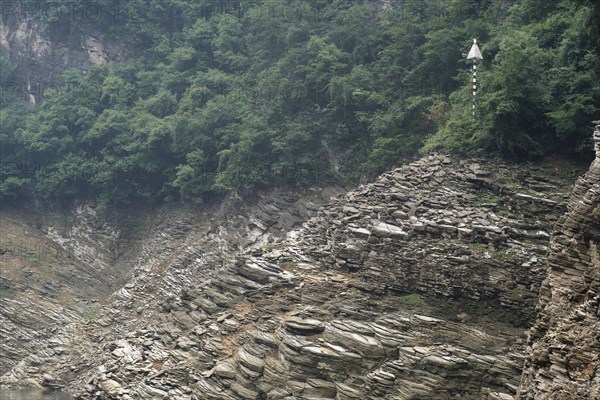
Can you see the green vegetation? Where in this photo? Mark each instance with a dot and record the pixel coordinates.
(235, 95)
(495, 253)
(412, 299)
(500, 254)
(533, 210)
(479, 247)
(489, 200)
(518, 294)
(482, 311)
(267, 247)
(510, 182)
(91, 314)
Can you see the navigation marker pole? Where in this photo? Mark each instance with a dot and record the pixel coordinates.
(474, 54)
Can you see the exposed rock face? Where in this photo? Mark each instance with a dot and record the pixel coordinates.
(417, 286)
(57, 270)
(52, 273)
(563, 357)
(40, 57)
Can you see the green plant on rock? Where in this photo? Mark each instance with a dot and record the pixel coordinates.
(412, 299)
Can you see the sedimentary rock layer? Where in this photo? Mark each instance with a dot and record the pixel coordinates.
(563, 356)
(419, 285)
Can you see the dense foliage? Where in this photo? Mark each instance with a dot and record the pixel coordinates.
(232, 95)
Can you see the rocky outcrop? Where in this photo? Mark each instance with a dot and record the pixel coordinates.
(418, 285)
(60, 270)
(442, 229)
(54, 271)
(40, 55)
(563, 356)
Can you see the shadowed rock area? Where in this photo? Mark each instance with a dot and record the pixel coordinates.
(563, 356)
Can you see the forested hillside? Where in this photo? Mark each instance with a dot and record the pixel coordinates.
(234, 95)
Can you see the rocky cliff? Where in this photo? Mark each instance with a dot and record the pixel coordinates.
(59, 269)
(41, 50)
(563, 355)
(418, 285)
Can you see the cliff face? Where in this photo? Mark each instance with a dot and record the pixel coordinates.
(417, 286)
(563, 357)
(41, 56)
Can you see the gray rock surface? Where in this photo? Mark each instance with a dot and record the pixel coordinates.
(40, 59)
(563, 356)
(420, 285)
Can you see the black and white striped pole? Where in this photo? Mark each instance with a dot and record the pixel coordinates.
(474, 54)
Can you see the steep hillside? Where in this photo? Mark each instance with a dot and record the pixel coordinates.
(419, 285)
(252, 280)
(189, 98)
(563, 356)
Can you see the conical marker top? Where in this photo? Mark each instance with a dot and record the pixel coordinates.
(474, 53)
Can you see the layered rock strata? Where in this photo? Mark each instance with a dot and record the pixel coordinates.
(563, 356)
(52, 272)
(419, 285)
(58, 271)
